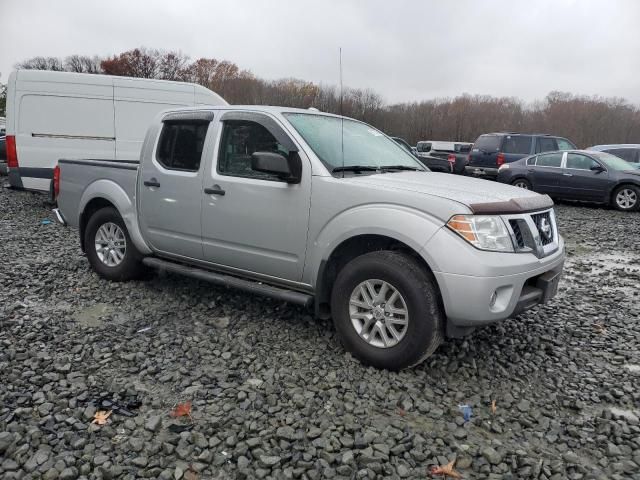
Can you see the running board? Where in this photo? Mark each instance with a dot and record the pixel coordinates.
(290, 296)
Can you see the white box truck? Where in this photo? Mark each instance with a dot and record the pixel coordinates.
(54, 115)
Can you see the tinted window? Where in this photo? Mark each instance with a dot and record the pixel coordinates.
(240, 139)
(531, 161)
(549, 160)
(462, 148)
(546, 144)
(580, 162)
(488, 143)
(424, 146)
(180, 145)
(628, 154)
(517, 144)
(564, 144)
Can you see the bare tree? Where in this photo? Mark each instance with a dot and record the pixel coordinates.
(42, 63)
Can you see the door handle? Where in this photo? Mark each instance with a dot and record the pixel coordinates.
(151, 183)
(567, 174)
(215, 190)
(530, 170)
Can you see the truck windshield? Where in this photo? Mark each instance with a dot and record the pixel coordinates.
(363, 145)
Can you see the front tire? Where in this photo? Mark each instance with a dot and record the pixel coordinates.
(386, 310)
(109, 248)
(626, 198)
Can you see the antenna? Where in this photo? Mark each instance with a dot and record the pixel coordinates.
(341, 116)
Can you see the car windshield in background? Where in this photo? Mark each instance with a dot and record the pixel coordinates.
(364, 146)
(488, 143)
(613, 162)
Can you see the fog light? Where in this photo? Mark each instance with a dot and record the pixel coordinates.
(492, 300)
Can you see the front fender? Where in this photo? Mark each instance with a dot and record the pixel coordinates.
(404, 224)
(115, 194)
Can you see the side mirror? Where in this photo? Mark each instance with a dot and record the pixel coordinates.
(286, 169)
(597, 168)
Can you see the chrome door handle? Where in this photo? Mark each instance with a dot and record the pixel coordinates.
(567, 174)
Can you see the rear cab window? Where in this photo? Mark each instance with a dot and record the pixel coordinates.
(181, 143)
(519, 144)
(424, 146)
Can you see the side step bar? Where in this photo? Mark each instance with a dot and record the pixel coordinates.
(290, 296)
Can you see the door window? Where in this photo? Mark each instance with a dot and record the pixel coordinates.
(520, 144)
(531, 160)
(487, 143)
(181, 143)
(546, 144)
(628, 154)
(240, 139)
(564, 144)
(550, 160)
(580, 162)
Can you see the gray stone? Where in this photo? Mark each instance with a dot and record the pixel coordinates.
(153, 423)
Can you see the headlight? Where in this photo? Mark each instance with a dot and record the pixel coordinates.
(504, 166)
(486, 232)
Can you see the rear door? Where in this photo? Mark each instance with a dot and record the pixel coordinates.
(170, 185)
(582, 183)
(546, 174)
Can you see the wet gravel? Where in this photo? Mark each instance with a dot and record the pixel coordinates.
(273, 394)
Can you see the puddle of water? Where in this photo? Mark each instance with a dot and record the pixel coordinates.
(93, 316)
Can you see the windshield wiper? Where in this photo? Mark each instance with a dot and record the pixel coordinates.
(400, 167)
(356, 168)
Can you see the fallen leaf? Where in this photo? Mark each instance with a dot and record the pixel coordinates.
(100, 417)
(493, 407)
(447, 470)
(191, 474)
(182, 410)
(402, 412)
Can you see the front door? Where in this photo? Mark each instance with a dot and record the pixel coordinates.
(254, 221)
(581, 182)
(170, 187)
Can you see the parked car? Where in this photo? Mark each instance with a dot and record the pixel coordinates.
(456, 153)
(585, 175)
(52, 115)
(492, 150)
(436, 164)
(321, 211)
(403, 143)
(626, 151)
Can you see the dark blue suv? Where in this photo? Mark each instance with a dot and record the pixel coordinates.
(494, 149)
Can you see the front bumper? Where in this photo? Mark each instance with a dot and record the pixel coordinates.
(471, 301)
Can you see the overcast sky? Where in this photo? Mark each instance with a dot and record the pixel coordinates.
(405, 50)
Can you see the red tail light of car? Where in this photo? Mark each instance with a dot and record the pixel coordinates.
(56, 181)
(451, 158)
(12, 154)
(500, 159)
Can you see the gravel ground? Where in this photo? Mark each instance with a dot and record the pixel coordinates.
(274, 395)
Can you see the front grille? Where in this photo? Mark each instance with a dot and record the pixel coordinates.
(517, 233)
(545, 227)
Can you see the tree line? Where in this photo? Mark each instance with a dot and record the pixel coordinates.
(586, 120)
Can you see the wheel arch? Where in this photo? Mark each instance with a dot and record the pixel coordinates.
(349, 249)
(620, 184)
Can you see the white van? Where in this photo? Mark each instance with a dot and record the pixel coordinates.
(53, 115)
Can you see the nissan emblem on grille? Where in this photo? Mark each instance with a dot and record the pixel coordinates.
(545, 228)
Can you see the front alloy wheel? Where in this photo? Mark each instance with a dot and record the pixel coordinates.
(378, 313)
(626, 198)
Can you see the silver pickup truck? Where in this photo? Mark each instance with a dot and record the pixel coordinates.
(321, 211)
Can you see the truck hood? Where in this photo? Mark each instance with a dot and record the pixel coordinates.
(480, 196)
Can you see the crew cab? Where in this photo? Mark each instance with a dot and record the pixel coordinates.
(321, 211)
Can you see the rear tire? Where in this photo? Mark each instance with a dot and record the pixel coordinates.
(109, 248)
(522, 183)
(626, 198)
(372, 328)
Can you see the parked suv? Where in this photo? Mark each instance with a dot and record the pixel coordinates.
(494, 149)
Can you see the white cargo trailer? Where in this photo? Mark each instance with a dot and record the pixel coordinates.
(53, 115)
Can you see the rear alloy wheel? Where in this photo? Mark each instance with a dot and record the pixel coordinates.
(626, 198)
(109, 248)
(522, 183)
(386, 310)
